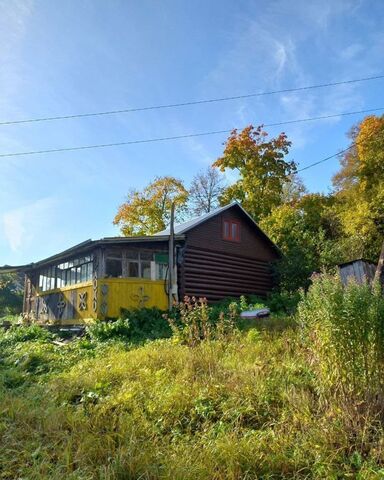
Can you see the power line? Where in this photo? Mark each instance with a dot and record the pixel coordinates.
(105, 145)
(327, 158)
(354, 144)
(178, 137)
(184, 104)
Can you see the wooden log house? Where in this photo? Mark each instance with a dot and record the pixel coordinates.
(217, 255)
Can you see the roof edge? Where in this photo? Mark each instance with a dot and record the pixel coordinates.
(84, 246)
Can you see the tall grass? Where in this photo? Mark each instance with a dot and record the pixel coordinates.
(344, 329)
(258, 404)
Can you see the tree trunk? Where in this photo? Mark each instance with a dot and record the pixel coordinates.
(380, 266)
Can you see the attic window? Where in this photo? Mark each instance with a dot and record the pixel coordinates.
(231, 230)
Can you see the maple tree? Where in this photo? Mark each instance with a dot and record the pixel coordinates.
(148, 212)
(261, 167)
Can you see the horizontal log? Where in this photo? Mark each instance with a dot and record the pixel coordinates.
(206, 289)
(232, 259)
(193, 249)
(224, 266)
(217, 271)
(226, 282)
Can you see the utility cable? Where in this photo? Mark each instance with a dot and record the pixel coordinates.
(196, 102)
(354, 144)
(178, 137)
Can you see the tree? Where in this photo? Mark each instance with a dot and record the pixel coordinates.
(148, 212)
(11, 294)
(261, 167)
(205, 190)
(359, 189)
(306, 233)
(293, 189)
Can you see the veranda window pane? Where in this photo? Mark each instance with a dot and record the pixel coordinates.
(89, 271)
(146, 269)
(113, 268)
(161, 271)
(73, 275)
(83, 274)
(133, 269)
(78, 274)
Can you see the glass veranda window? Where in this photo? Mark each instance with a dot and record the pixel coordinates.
(114, 266)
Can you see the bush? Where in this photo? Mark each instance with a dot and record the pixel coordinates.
(107, 330)
(283, 301)
(135, 326)
(17, 334)
(193, 322)
(146, 324)
(344, 331)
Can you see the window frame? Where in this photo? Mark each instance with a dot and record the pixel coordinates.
(230, 222)
(65, 274)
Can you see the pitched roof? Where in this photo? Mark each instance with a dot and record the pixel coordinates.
(184, 227)
(180, 229)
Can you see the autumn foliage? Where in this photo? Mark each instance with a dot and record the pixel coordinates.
(261, 166)
(147, 212)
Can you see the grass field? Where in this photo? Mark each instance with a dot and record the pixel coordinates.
(257, 404)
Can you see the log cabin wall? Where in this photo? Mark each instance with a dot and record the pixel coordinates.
(215, 268)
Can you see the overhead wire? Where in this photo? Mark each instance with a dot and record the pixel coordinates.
(178, 137)
(340, 152)
(189, 103)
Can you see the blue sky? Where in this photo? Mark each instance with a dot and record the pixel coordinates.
(59, 58)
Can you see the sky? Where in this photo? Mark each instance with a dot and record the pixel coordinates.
(63, 58)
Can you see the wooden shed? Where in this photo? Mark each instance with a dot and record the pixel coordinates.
(360, 270)
(220, 254)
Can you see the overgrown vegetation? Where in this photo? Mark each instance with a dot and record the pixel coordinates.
(11, 297)
(300, 401)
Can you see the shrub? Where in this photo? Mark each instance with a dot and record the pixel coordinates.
(283, 301)
(17, 334)
(344, 331)
(146, 324)
(193, 321)
(107, 330)
(135, 326)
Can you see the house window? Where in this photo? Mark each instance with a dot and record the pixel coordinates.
(114, 266)
(67, 273)
(139, 264)
(133, 269)
(231, 230)
(145, 264)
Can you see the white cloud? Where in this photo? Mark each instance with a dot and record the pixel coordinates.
(24, 224)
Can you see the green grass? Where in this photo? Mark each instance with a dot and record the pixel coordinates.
(260, 404)
(244, 409)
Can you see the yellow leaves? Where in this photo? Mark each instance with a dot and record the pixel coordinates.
(147, 212)
(371, 130)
